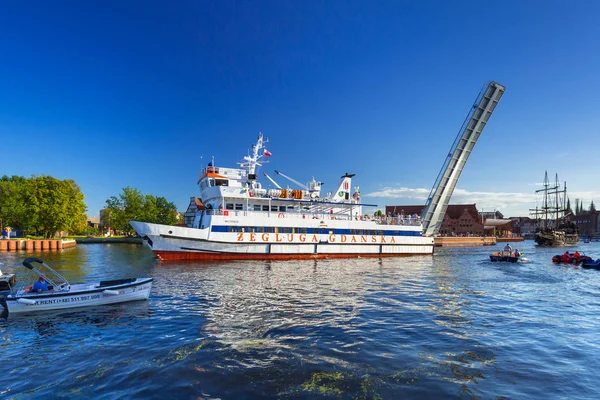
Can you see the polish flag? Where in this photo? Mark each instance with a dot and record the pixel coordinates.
(267, 153)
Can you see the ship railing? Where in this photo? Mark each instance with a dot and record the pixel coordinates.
(401, 220)
(323, 216)
(288, 214)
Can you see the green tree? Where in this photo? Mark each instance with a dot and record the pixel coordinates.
(568, 208)
(55, 205)
(592, 206)
(13, 202)
(41, 204)
(132, 205)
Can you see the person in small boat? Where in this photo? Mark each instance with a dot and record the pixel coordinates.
(577, 256)
(507, 249)
(517, 253)
(40, 285)
(566, 257)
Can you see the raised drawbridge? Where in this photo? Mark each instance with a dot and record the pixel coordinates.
(439, 197)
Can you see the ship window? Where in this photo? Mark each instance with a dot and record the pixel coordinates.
(232, 229)
(221, 182)
(273, 208)
(302, 230)
(257, 207)
(229, 206)
(290, 208)
(282, 208)
(260, 229)
(239, 206)
(269, 229)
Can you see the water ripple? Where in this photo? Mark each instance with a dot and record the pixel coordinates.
(450, 326)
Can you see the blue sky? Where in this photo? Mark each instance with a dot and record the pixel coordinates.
(116, 94)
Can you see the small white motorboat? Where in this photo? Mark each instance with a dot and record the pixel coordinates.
(61, 294)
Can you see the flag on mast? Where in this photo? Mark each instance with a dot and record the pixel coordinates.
(267, 153)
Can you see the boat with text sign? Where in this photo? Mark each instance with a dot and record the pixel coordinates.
(57, 293)
(237, 218)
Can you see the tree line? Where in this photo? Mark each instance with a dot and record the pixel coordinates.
(579, 208)
(43, 206)
(132, 205)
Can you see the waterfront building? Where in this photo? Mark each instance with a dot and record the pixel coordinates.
(460, 219)
(587, 223)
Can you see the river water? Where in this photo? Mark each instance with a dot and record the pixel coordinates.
(454, 325)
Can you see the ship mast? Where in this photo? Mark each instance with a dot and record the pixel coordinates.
(254, 159)
(251, 161)
(552, 205)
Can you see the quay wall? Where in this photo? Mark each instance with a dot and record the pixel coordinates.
(509, 240)
(451, 241)
(36, 244)
(129, 240)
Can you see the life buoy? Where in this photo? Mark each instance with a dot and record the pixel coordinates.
(332, 217)
(251, 194)
(281, 215)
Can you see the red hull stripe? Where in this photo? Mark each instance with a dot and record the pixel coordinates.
(190, 255)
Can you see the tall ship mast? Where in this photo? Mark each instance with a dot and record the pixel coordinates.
(554, 228)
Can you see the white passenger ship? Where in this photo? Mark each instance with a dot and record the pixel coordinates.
(237, 218)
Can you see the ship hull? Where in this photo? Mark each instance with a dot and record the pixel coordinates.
(556, 239)
(166, 255)
(179, 243)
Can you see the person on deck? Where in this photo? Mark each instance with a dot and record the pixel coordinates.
(40, 285)
(507, 249)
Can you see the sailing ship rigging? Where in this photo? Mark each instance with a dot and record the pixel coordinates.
(554, 227)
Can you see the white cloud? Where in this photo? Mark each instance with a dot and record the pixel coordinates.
(509, 203)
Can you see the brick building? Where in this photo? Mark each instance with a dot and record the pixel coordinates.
(588, 223)
(460, 219)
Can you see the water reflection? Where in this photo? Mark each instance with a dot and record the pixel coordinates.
(449, 326)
